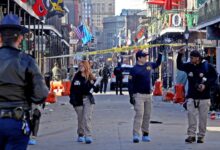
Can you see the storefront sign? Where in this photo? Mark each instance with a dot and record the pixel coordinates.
(176, 20)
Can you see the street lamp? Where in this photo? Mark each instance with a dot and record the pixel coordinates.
(186, 36)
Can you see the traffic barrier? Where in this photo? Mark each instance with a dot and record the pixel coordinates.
(57, 87)
(179, 93)
(61, 88)
(66, 90)
(51, 98)
(158, 89)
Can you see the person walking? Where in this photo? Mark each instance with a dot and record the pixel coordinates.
(21, 84)
(139, 86)
(105, 74)
(57, 73)
(82, 99)
(119, 78)
(201, 75)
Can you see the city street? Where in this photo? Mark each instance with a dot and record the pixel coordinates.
(112, 127)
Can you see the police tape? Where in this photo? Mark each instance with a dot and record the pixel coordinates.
(116, 50)
(128, 48)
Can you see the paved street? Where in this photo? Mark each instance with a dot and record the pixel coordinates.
(112, 127)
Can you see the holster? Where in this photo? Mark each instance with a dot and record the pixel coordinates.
(17, 113)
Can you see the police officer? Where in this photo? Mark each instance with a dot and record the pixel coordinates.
(105, 74)
(119, 78)
(201, 75)
(20, 84)
(139, 87)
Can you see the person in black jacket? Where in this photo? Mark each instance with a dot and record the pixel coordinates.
(119, 78)
(21, 84)
(201, 75)
(82, 100)
(105, 74)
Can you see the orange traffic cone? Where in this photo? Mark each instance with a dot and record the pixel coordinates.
(158, 89)
(179, 93)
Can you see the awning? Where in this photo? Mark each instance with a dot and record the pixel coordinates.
(47, 27)
(172, 30)
(209, 23)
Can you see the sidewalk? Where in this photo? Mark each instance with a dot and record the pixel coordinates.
(112, 127)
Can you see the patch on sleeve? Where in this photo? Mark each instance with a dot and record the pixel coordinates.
(148, 67)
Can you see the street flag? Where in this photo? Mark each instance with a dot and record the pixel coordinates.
(79, 34)
(87, 37)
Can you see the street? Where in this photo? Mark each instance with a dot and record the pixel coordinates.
(112, 127)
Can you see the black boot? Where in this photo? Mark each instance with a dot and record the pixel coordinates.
(190, 139)
(200, 140)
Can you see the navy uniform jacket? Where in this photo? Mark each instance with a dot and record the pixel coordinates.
(81, 87)
(195, 75)
(140, 77)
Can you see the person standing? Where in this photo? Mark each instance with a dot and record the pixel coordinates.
(63, 72)
(105, 74)
(201, 75)
(139, 86)
(119, 78)
(21, 84)
(71, 72)
(57, 73)
(83, 101)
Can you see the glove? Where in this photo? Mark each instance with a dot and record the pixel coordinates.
(132, 100)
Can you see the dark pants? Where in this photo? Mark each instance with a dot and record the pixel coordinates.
(11, 135)
(35, 122)
(105, 83)
(118, 85)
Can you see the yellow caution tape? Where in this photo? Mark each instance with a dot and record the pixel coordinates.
(127, 48)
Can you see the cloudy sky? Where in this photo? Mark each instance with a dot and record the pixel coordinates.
(132, 4)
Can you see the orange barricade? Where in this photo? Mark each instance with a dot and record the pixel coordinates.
(179, 93)
(57, 87)
(66, 85)
(51, 98)
(158, 89)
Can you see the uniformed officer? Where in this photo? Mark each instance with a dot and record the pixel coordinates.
(21, 84)
(139, 87)
(201, 75)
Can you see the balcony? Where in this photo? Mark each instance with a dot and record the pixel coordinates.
(172, 21)
(209, 13)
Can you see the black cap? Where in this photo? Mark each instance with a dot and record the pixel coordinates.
(140, 53)
(195, 53)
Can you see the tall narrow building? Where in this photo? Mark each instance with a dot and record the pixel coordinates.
(100, 10)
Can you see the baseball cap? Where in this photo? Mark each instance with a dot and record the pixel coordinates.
(140, 53)
(195, 53)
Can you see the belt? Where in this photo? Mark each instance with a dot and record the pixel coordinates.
(17, 113)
